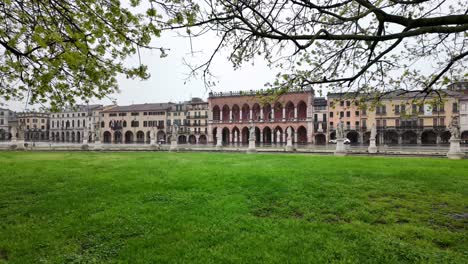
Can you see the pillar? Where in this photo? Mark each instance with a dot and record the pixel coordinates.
(419, 139)
(272, 136)
(261, 136)
(250, 117)
(261, 115)
(295, 137)
(400, 139)
(273, 115)
(240, 116)
(220, 115)
(295, 113)
(284, 113)
(438, 140)
(230, 116)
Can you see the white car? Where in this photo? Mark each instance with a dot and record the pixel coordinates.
(346, 141)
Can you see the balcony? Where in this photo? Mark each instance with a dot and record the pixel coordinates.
(197, 117)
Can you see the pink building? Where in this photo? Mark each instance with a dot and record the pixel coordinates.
(230, 114)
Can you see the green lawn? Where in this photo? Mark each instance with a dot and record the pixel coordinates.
(231, 208)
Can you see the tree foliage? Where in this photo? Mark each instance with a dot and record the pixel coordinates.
(57, 51)
(375, 46)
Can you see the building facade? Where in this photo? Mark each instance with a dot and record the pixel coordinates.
(231, 113)
(137, 123)
(6, 116)
(34, 125)
(73, 124)
(197, 121)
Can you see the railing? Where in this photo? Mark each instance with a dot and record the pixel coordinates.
(256, 92)
(411, 127)
(197, 117)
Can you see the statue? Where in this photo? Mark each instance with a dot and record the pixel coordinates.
(175, 131)
(13, 133)
(454, 129)
(252, 131)
(96, 135)
(373, 132)
(289, 132)
(340, 130)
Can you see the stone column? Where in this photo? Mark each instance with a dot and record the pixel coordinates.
(240, 116)
(230, 115)
(235, 137)
(284, 113)
(261, 136)
(272, 137)
(250, 116)
(438, 140)
(272, 115)
(220, 115)
(295, 113)
(261, 114)
(295, 137)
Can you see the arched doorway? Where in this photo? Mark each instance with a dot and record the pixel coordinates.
(464, 137)
(278, 111)
(236, 135)
(140, 137)
(333, 135)
(245, 135)
(278, 134)
(353, 137)
(302, 135)
(226, 116)
(72, 136)
(301, 111)
(202, 139)
(445, 137)
(216, 113)
(409, 138)
(429, 137)
(161, 136)
(257, 135)
(107, 137)
(267, 135)
(78, 137)
(256, 112)
(117, 137)
(215, 135)
(182, 139)
(235, 113)
(391, 137)
(192, 139)
(267, 112)
(245, 112)
(320, 139)
(289, 110)
(226, 136)
(128, 137)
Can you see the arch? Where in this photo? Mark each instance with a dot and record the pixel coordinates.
(391, 137)
(78, 137)
(409, 137)
(289, 110)
(161, 136)
(215, 135)
(67, 136)
(216, 113)
(333, 135)
(464, 137)
(236, 135)
(128, 137)
(301, 111)
(225, 136)
(267, 112)
(192, 139)
(63, 136)
(257, 135)
(107, 137)
(256, 112)
(445, 137)
(202, 139)
(124, 124)
(245, 135)
(320, 139)
(90, 137)
(140, 137)
(226, 116)
(72, 137)
(366, 138)
(428, 137)
(302, 135)
(353, 136)
(148, 137)
(278, 111)
(235, 113)
(182, 139)
(117, 137)
(245, 112)
(57, 136)
(267, 135)
(278, 134)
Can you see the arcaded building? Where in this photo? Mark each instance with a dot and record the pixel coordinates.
(230, 115)
(35, 125)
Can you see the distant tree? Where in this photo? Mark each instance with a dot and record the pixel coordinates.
(364, 46)
(56, 51)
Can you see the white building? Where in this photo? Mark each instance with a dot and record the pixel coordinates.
(5, 116)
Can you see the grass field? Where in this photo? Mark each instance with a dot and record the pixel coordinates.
(231, 208)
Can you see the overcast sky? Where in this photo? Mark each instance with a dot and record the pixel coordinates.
(169, 74)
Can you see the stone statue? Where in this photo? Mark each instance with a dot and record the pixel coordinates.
(252, 131)
(289, 132)
(96, 135)
(454, 129)
(340, 130)
(373, 132)
(13, 132)
(175, 131)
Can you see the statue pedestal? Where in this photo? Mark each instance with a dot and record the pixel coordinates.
(372, 147)
(174, 146)
(455, 150)
(17, 144)
(97, 145)
(289, 145)
(85, 142)
(219, 144)
(252, 148)
(340, 147)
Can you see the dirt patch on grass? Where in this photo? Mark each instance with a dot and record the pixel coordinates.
(3, 254)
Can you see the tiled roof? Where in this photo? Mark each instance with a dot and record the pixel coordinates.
(139, 107)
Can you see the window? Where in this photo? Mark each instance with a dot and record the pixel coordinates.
(145, 124)
(363, 122)
(442, 121)
(356, 124)
(135, 114)
(414, 108)
(397, 122)
(385, 122)
(341, 103)
(378, 122)
(135, 123)
(1, 121)
(84, 122)
(421, 122)
(348, 114)
(78, 125)
(341, 114)
(122, 114)
(356, 113)
(455, 107)
(324, 118)
(397, 109)
(102, 124)
(332, 104)
(331, 114)
(315, 118)
(113, 114)
(331, 124)
(124, 123)
(348, 103)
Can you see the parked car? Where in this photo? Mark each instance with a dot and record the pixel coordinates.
(346, 141)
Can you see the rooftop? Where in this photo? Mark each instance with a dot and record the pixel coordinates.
(139, 107)
(257, 92)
